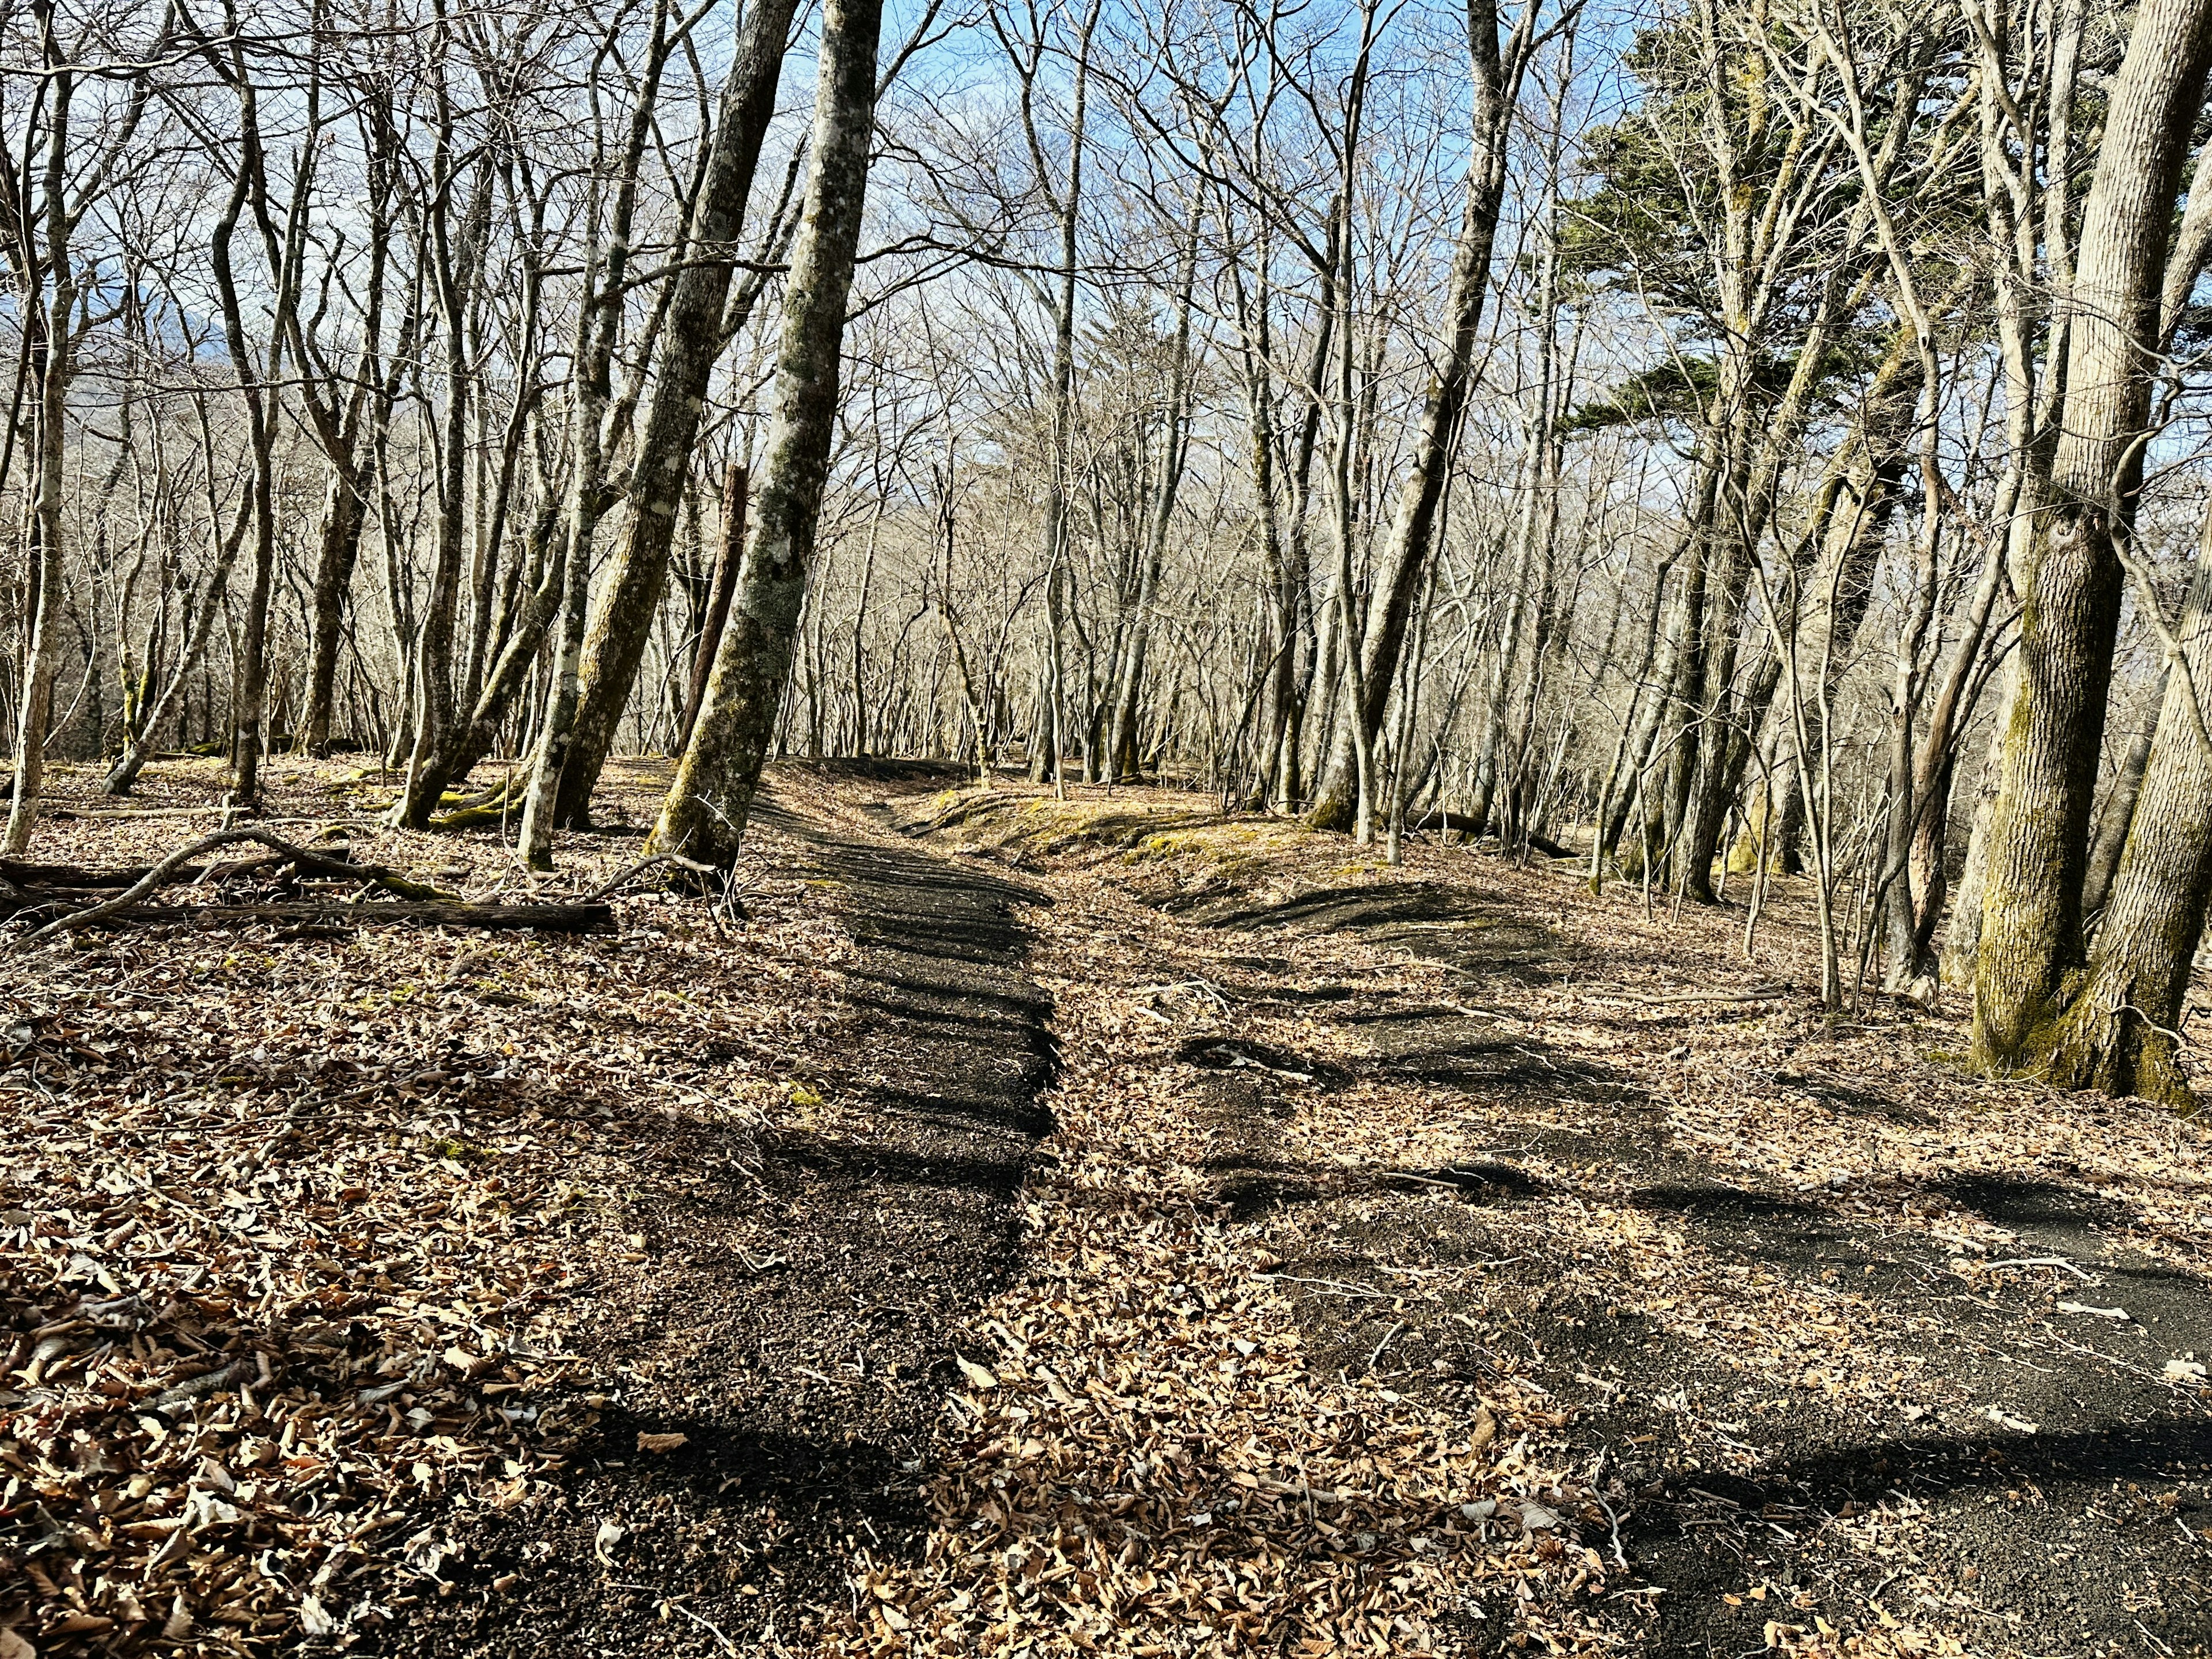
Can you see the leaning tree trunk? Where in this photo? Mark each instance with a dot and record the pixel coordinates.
(467, 742)
(138, 745)
(1413, 530)
(2120, 809)
(614, 649)
(704, 815)
(2031, 936)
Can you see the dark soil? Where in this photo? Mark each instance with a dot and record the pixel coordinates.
(803, 1303)
(2067, 1504)
(799, 1306)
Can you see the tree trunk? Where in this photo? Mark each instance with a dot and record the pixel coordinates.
(1412, 531)
(2038, 829)
(2118, 1032)
(53, 364)
(2119, 810)
(614, 649)
(705, 813)
(1122, 750)
(343, 516)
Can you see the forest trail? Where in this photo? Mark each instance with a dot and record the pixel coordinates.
(1800, 1344)
(794, 1322)
(1098, 1226)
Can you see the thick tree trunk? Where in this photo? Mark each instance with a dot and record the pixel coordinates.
(614, 648)
(705, 814)
(250, 730)
(2031, 935)
(453, 276)
(2118, 1032)
(556, 731)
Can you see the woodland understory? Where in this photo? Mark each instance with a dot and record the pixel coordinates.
(1427, 1257)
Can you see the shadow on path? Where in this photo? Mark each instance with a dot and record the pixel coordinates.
(798, 1314)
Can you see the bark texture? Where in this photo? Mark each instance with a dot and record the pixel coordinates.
(2118, 1032)
(614, 645)
(704, 815)
(2031, 937)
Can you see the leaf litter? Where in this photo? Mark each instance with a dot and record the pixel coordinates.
(301, 1238)
(1623, 1136)
(297, 1233)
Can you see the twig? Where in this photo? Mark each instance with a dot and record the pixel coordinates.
(677, 1602)
(1774, 995)
(728, 1646)
(1376, 1358)
(2043, 1261)
(1336, 1284)
(1619, 1560)
(645, 864)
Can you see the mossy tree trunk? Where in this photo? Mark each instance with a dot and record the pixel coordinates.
(2031, 938)
(2118, 1031)
(705, 813)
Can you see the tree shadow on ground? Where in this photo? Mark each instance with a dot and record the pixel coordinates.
(790, 1303)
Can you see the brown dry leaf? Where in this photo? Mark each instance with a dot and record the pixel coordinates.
(661, 1443)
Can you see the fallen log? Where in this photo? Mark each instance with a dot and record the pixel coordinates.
(52, 879)
(337, 862)
(417, 904)
(1441, 822)
(543, 918)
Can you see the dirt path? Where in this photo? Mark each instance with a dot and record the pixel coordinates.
(1805, 1341)
(1044, 1228)
(798, 1299)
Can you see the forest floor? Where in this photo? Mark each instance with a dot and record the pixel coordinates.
(1083, 1226)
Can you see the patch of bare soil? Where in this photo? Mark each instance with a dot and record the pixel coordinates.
(782, 1351)
(1824, 1346)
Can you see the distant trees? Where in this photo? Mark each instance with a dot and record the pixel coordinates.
(1762, 445)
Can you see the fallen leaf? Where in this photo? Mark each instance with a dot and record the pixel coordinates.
(661, 1443)
(982, 1378)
